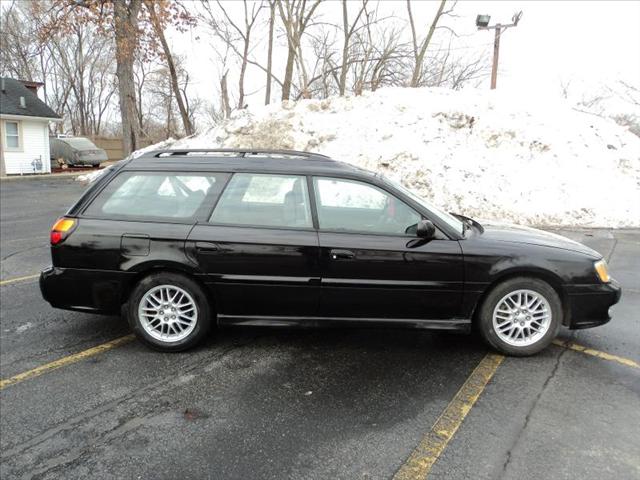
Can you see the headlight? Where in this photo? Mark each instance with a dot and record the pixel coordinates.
(602, 270)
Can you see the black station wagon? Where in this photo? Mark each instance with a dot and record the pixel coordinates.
(182, 240)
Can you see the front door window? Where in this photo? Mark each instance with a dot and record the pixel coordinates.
(352, 206)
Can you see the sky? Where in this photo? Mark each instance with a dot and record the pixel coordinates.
(586, 43)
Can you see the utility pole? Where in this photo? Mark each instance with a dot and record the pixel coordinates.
(482, 22)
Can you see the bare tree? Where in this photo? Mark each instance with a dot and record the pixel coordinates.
(230, 31)
(447, 69)
(420, 48)
(224, 95)
(75, 67)
(296, 16)
(323, 78)
(385, 62)
(158, 27)
(125, 21)
(83, 59)
(128, 24)
(272, 21)
(379, 53)
(160, 115)
(19, 53)
(142, 72)
(348, 30)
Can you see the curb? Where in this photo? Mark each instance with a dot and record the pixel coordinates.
(47, 176)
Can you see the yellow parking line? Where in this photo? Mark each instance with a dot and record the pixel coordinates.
(61, 362)
(19, 279)
(419, 463)
(596, 353)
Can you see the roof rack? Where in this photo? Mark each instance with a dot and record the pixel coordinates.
(240, 152)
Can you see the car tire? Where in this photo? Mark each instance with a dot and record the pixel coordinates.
(520, 316)
(169, 312)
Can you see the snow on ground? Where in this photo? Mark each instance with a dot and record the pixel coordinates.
(478, 153)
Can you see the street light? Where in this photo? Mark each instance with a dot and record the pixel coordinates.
(482, 22)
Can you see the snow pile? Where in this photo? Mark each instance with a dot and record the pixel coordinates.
(474, 152)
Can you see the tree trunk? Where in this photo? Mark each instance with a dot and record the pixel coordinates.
(81, 96)
(224, 93)
(345, 49)
(288, 73)
(417, 69)
(126, 29)
(243, 69)
(186, 121)
(304, 87)
(272, 19)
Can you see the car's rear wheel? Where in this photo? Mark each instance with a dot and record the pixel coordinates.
(520, 316)
(169, 312)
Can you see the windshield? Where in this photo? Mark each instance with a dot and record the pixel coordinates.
(447, 218)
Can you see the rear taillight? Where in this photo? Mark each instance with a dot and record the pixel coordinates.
(62, 229)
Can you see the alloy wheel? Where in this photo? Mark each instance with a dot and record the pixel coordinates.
(522, 318)
(168, 313)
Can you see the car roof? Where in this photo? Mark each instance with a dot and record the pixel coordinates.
(239, 160)
(79, 143)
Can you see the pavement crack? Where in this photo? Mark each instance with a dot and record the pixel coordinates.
(527, 418)
(17, 252)
(72, 454)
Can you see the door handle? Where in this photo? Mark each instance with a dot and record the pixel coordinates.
(338, 254)
(207, 247)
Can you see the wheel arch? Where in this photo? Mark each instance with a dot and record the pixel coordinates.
(545, 275)
(177, 268)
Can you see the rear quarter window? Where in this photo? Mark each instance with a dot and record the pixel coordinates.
(175, 196)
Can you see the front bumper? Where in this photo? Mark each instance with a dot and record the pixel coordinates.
(588, 305)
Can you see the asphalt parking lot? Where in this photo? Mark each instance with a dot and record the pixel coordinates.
(302, 404)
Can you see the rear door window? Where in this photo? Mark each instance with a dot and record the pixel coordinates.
(265, 200)
(158, 195)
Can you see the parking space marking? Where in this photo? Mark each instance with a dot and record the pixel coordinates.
(18, 279)
(425, 455)
(69, 359)
(597, 353)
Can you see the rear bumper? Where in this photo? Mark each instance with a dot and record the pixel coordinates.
(589, 304)
(98, 291)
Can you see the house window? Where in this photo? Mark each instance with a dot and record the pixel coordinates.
(12, 135)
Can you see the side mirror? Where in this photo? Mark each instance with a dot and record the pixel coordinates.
(426, 229)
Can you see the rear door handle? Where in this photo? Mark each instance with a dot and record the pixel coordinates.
(338, 254)
(207, 247)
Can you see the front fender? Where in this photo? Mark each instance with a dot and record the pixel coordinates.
(489, 263)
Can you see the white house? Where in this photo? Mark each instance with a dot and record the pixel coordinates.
(24, 128)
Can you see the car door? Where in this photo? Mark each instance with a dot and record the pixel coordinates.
(259, 250)
(373, 265)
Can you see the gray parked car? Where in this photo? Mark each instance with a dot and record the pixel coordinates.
(75, 151)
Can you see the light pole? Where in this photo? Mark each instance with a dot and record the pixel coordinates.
(482, 22)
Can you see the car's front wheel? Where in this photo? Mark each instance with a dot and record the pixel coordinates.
(520, 316)
(169, 312)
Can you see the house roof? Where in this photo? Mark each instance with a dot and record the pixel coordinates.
(10, 92)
